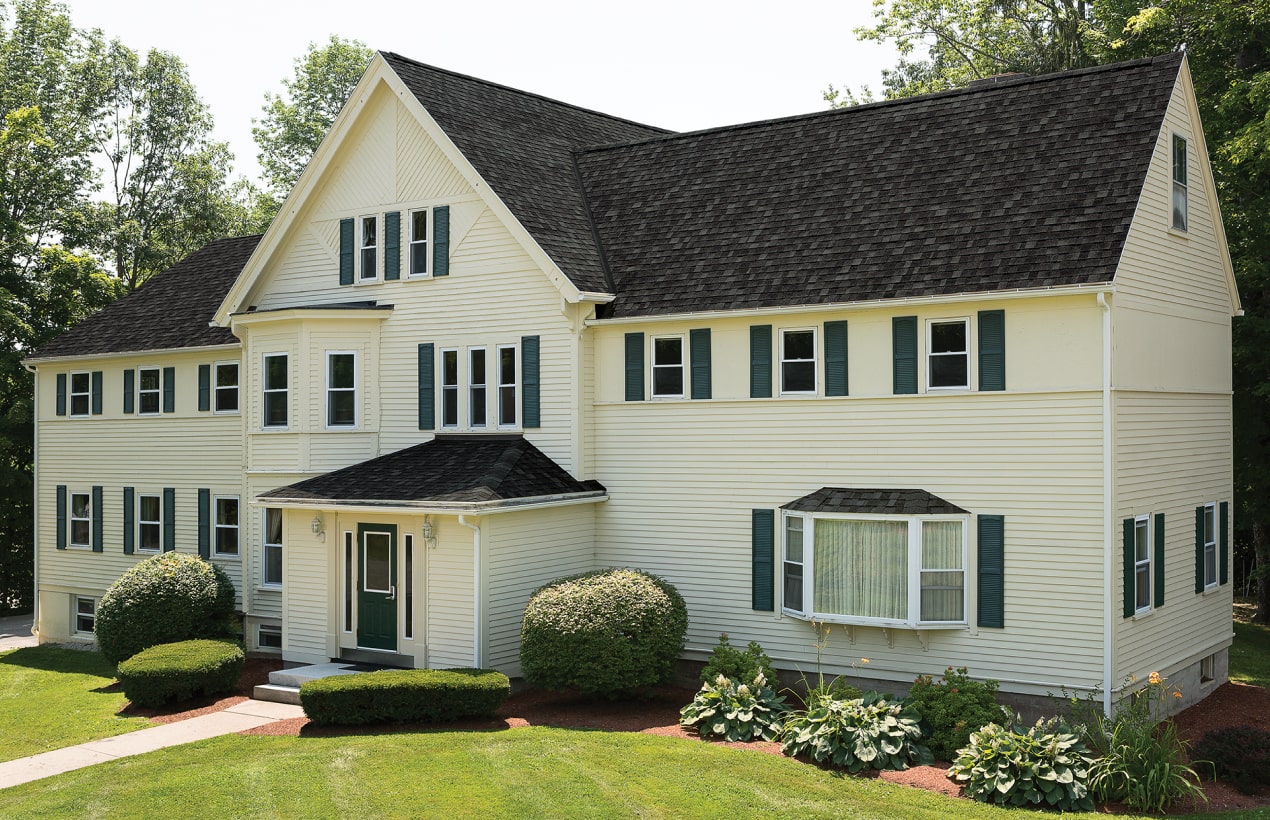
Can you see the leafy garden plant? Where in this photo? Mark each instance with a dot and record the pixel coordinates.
(1041, 766)
(1239, 754)
(871, 732)
(738, 664)
(953, 708)
(732, 710)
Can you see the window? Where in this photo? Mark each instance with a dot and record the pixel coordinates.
(507, 404)
(880, 570)
(275, 390)
(271, 571)
(449, 388)
(408, 629)
(149, 523)
(1207, 668)
(1210, 545)
(668, 367)
(226, 387)
(85, 616)
(478, 398)
(367, 247)
(798, 361)
(1179, 183)
(341, 389)
(225, 534)
(148, 389)
(1142, 563)
(348, 581)
(419, 243)
(948, 354)
(269, 637)
(81, 389)
(81, 519)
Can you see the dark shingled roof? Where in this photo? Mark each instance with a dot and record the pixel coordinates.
(873, 502)
(460, 469)
(522, 145)
(1021, 184)
(172, 310)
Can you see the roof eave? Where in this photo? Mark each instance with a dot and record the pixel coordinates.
(166, 351)
(441, 507)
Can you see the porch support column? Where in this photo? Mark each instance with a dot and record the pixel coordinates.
(477, 624)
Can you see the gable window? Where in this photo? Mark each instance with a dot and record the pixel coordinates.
(798, 361)
(507, 404)
(149, 523)
(368, 244)
(275, 390)
(226, 387)
(948, 354)
(81, 519)
(478, 398)
(85, 615)
(148, 390)
(341, 389)
(449, 388)
(419, 243)
(1210, 545)
(876, 569)
(668, 367)
(1179, 183)
(225, 534)
(81, 390)
(271, 570)
(1142, 563)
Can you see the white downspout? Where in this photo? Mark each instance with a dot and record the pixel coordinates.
(35, 502)
(1107, 521)
(476, 590)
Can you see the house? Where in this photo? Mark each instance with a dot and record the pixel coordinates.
(950, 374)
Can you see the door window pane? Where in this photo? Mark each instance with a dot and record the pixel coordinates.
(377, 566)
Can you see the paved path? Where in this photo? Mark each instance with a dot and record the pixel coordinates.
(246, 715)
(15, 632)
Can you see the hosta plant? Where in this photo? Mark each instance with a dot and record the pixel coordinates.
(732, 710)
(872, 732)
(1041, 766)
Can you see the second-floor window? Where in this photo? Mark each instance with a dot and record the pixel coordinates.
(226, 387)
(1179, 183)
(668, 367)
(367, 248)
(271, 571)
(274, 410)
(480, 387)
(149, 386)
(225, 537)
(81, 520)
(1210, 545)
(419, 243)
(341, 389)
(798, 361)
(948, 354)
(478, 390)
(149, 523)
(449, 388)
(507, 386)
(81, 390)
(1142, 563)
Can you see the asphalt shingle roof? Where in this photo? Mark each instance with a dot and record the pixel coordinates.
(462, 469)
(873, 502)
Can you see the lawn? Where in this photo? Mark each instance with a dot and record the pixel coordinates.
(52, 697)
(1250, 652)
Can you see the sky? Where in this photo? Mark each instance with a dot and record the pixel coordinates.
(678, 64)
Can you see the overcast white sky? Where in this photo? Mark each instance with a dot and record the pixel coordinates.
(678, 64)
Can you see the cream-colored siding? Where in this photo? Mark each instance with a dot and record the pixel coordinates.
(451, 596)
(310, 606)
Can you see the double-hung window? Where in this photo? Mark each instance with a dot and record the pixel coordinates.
(341, 389)
(449, 388)
(1179, 183)
(367, 248)
(419, 242)
(1142, 563)
(81, 390)
(149, 386)
(81, 520)
(798, 361)
(225, 534)
(149, 523)
(478, 389)
(948, 354)
(275, 390)
(225, 387)
(668, 367)
(875, 569)
(85, 615)
(508, 406)
(271, 571)
(1210, 545)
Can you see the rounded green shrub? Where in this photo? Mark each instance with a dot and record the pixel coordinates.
(404, 696)
(606, 633)
(170, 597)
(738, 664)
(953, 708)
(180, 671)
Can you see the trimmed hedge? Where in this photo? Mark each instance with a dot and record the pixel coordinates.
(606, 633)
(171, 597)
(180, 671)
(404, 696)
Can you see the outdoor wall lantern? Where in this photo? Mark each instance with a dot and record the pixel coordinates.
(429, 534)
(317, 528)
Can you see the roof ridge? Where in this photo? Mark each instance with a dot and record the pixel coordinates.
(503, 465)
(522, 92)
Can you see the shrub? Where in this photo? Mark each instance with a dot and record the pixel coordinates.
(404, 696)
(606, 633)
(954, 707)
(1013, 767)
(738, 664)
(180, 671)
(1240, 754)
(732, 710)
(170, 597)
(872, 732)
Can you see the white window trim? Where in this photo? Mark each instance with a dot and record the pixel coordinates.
(71, 393)
(141, 521)
(815, 361)
(71, 519)
(237, 528)
(462, 388)
(913, 621)
(411, 242)
(359, 270)
(969, 354)
(1173, 183)
(498, 400)
(75, 613)
(265, 546)
(216, 366)
(653, 366)
(357, 417)
(1211, 507)
(471, 385)
(265, 390)
(1149, 563)
(157, 391)
(457, 387)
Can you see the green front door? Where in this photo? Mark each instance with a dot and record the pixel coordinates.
(377, 586)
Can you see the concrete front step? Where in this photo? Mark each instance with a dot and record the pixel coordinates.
(277, 694)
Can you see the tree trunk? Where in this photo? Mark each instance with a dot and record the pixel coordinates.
(1261, 549)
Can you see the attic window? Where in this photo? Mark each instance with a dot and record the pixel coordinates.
(367, 246)
(1179, 183)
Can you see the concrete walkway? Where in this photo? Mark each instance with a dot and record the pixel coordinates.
(15, 632)
(246, 715)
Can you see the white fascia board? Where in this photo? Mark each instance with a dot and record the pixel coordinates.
(476, 508)
(127, 354)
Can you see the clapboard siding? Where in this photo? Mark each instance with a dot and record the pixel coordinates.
(450, 596)
(309, 598)
(422, 170)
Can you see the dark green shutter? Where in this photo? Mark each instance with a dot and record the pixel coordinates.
(991, 571)
(1223, 542)
(346, 251)
(129, 390)
(169, 390)
(61, 516)
(129, 522)
(392, 246)
(441, 241)
(169, 519)
(1129, 596)
(98, 540)
(1159, 559)
(904, 353)
(760, 361)
(699, 353)
(427, 387)
(61, 394)
(1199, 549)
(530, 400)
(634, 366)
(97, 379)
(763, 546)
(204, 523)
(992, 350)
(204, 387)
(836, 358)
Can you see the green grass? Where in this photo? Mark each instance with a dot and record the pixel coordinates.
(52, 697)
(1250, 652)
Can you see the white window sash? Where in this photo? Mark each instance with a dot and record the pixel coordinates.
(218, 388)
(1144, 564)
(964, 321)
(72, 520)
(217, 527)
(681, 366)
(86, 394)
(144, 393)
(451, 389)
(514, 384)
(815, 364)
(420, 244)
(362, 247)
(267, 391)
(332, 391)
